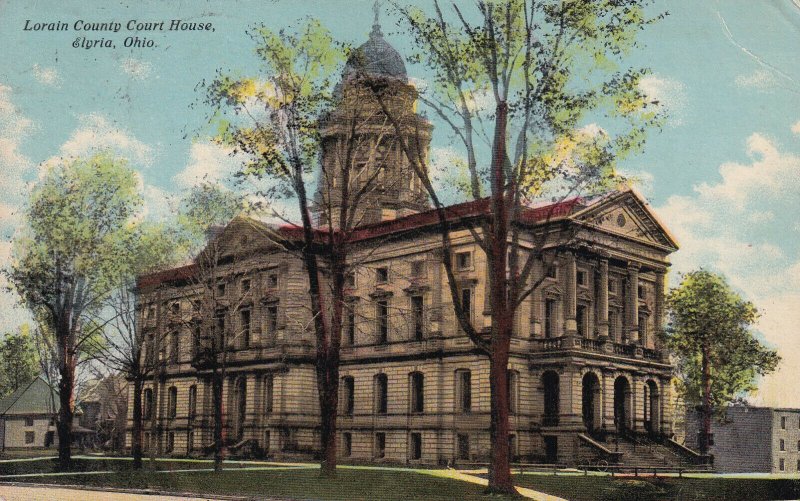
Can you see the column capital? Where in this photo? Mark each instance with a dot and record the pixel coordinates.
(634, 266)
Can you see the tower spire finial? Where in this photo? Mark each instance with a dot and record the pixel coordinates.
(376, 24)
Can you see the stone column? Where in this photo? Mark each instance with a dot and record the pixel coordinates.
(570, 304)
(602, 301)
(436, 294)
(633, 303)
(658, 315)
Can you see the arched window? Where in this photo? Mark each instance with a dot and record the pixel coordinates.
(381, 393)
(417, 383)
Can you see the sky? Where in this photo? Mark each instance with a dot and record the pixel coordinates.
(723, 173)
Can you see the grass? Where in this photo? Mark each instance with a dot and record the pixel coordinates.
(84, 464)
(606, 488)
(297, 483)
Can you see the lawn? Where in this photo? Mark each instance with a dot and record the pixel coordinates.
(82, 464)
(606, 488)
(295, 483)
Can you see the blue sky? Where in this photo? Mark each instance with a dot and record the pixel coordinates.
(724, 173)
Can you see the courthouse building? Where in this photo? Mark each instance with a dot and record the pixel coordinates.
(586, 363)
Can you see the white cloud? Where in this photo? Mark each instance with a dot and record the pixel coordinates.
(737, 226)
(760, 79)
(46, 76)
(15, 166)
(208, 162)
(670, 94)
(137, 69)
(96, 132)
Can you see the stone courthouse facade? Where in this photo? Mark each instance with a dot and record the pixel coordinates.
(586, 362)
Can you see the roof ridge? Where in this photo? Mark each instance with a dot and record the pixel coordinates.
(20, 393)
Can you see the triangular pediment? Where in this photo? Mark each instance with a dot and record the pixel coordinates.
(626, 213)
(241, 236)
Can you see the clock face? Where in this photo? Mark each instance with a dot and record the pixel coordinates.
(621, 220)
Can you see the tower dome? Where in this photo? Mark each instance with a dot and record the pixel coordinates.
(375, 57)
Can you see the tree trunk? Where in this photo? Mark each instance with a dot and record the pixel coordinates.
(500, 467)
(152, 447)
(706, 408)
(66, 386)
(136, 436)
(216, 389)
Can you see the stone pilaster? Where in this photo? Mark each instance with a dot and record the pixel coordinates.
(632, 306)
(602, 301)
(570, 303)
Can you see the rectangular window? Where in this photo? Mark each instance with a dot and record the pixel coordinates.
(350, 280)
(581, 319)
(29, 437)
(220, 290)
(550, 318)
(383, 321)
(465, 391)
(245, 285)
(417, 392)
(416, 446)
(417, 269)
(640, 292)
(272, 318)
(347, 444)
(350, 322)
(170, 442)
(463, 260)
(613, 328)
(782, 465)
(272, 281)
(192, 401)
(28, 421)
(219, 330)
(463, 447)
(466, 303)
(380, 445)
(172, 402)
(418, 316)
(245, 319)
(783, 422)
(612, 286)
(783, 445)
(382, 275)
(381, 393)
(269, 388)
(552, 271)
(174, 350)
(348, 390)
(582, 277)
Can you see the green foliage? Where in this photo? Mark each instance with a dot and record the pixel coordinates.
(204, 208)
(707, 315)
(19, 362)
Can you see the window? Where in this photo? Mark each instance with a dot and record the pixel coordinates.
(172, 402)
(220, 290)
(268, 393)
(643, 328)
(381, 393)
(464, 388)
(245, 320)
(550, 318)
(783, 422)
(175, 308)
(28, 421)
(383, 321)
(350, 280)
(347, 444)
(782, 445)
(267, 437)
(192, 401)
(272, 318)
(463, 260)
(219, 329)
(147, 405)
(272, 281)
(174, 350)
(29, 437)
(245, 286)
(781, 463)
(612, 286)
(463, 446)
(416, 446)
(581, 278)
(190, 441)
(418, 317)
(581, 320)
(512, 447)
(350, 322)
(382, 275)
(613, 324)
(417, 269)
(348, 395)
(170, 442)
(512, 391)
(466, 302)
(640, 292)
(146, 442)
(551, 270)
(380, 445)
(417, 382)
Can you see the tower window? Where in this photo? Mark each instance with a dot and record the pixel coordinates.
(463, 260)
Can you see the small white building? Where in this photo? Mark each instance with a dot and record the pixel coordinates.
(28, 417)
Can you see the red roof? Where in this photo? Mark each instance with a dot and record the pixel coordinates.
(530, 215)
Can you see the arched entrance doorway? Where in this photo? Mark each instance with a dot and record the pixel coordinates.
(551, 398)
(622, 404)
(591, 402)
(652, 407)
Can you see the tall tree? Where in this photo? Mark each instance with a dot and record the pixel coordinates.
(710, 333)
(19, 362)
(521, 85)
(284, 121)
(71, 254)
